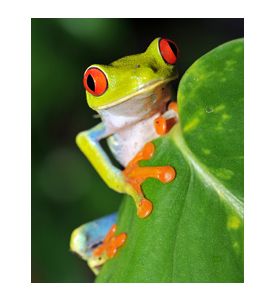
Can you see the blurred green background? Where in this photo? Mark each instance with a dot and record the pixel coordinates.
(66, 191)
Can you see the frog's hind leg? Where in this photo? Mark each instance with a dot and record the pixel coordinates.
(136, 175)
(96, 241)
(89, 236)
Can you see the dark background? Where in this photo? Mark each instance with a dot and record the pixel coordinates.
(66, 191)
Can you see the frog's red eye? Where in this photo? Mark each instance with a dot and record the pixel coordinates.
(169, 51)
(95, 81)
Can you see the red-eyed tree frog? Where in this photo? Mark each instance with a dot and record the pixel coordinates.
(131, 96)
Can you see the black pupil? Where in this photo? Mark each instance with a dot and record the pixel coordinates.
(91, 83)
(173, 48)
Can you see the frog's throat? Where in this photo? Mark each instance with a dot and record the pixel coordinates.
(145, 88)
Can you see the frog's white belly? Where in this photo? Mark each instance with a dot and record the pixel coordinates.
(126, 143)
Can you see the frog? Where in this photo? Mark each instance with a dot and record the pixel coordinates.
(133, 97)
(130, 95)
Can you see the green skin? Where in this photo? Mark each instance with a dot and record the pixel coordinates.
(132, 75)
(138, 88)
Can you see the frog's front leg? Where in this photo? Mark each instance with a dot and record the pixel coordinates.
(88, 142)
(165, 122)
(136, 175)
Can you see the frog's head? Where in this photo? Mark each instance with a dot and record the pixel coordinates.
(109, 85)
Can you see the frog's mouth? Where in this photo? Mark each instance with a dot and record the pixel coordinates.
(145, 90)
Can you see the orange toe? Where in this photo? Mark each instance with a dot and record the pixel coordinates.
(120, 239)
(167, 174)
(111, 243)
(115, 243)
(173, 105)
(136, 175)
(145, 208)
(160, 125)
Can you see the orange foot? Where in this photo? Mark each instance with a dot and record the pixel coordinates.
(165, 122)
(135, 175)
(111, 243)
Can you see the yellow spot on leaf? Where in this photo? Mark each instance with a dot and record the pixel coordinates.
(226, 117)
(219, 108)
(236, 246)
(223, 173)
(238, 49)
(230, 62)
(230, 65)
(233, 222)
(206, 151)
(191, 125)
(219, 128)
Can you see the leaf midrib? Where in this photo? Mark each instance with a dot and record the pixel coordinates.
(230, 199)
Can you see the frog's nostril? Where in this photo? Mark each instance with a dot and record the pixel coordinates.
(154, 69)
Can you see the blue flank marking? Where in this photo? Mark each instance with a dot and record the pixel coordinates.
(96, 231)
(96, 132)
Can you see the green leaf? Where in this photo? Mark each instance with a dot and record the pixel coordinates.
(195, 233)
